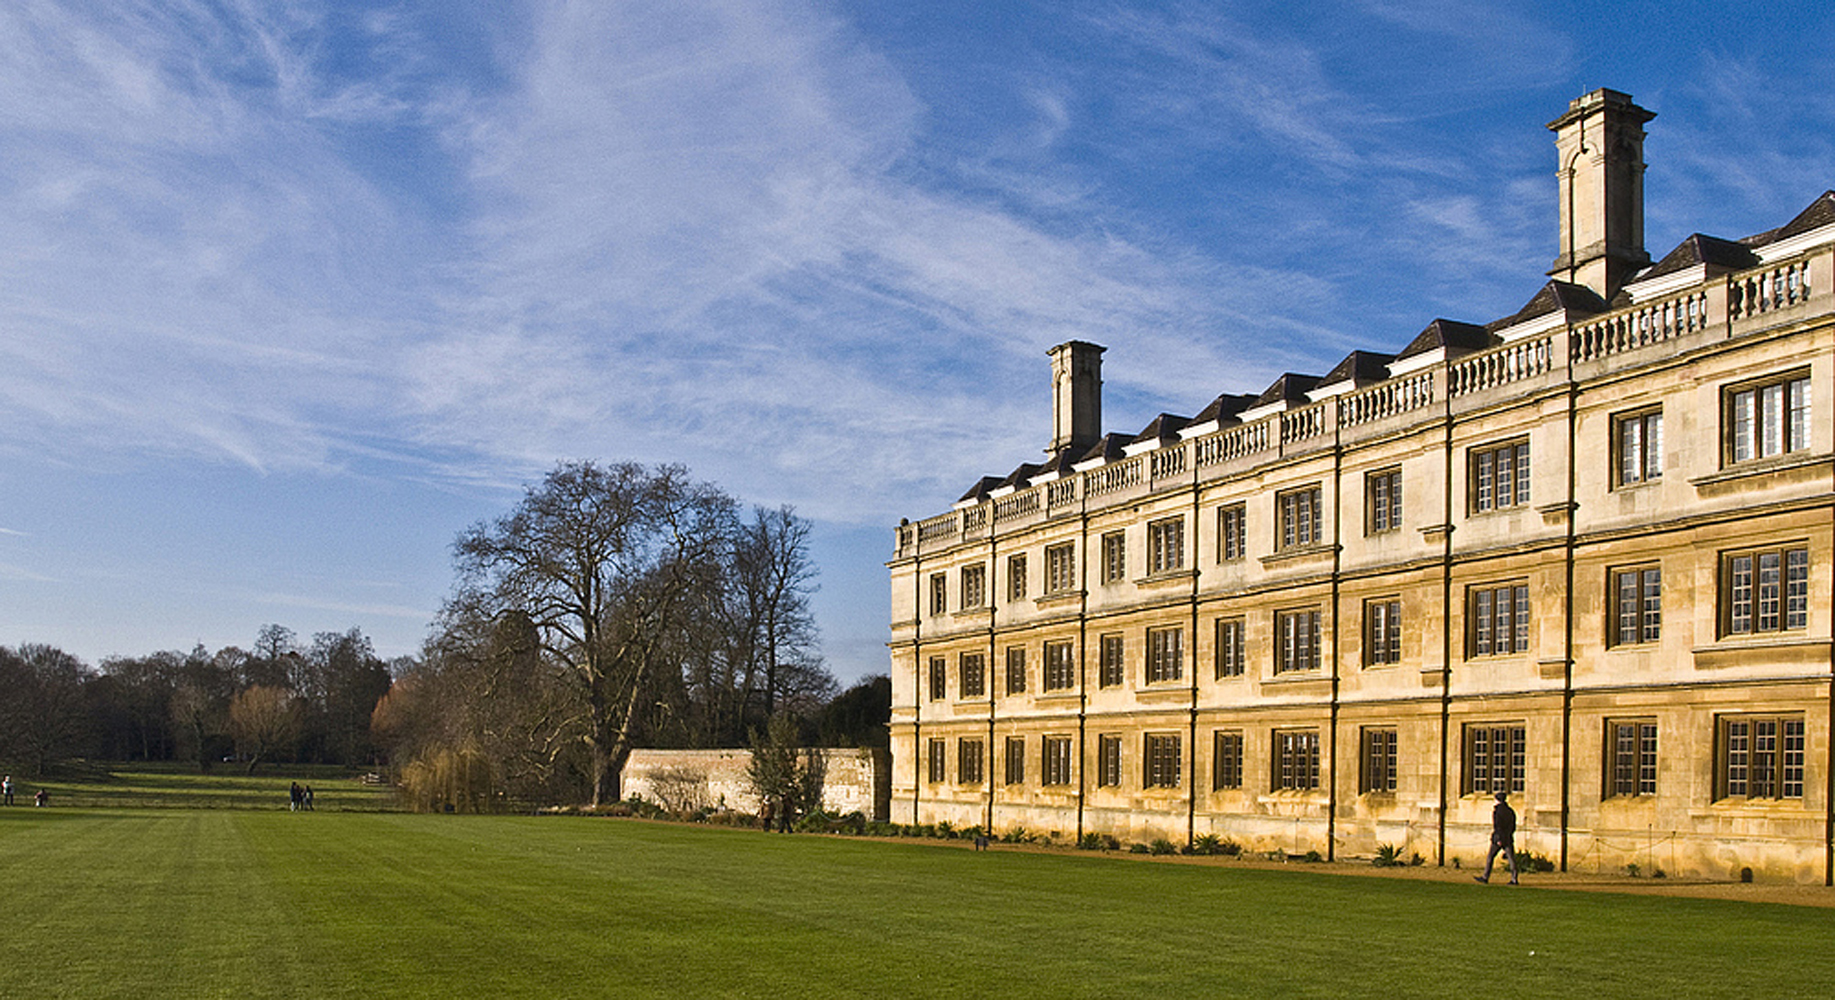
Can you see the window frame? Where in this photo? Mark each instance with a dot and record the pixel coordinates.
(1060, 666)
(971, 760)
(1788, 593)
(1016, 577)
(1299, 517)
(1297, 638)
(1634, 618)
(936, 762)
(1478, 754)
(1383, 501)
(1484, 483)
(1166, 545)
(1232, 532)
(1162, 760)
(1793, 427)
(1111, 660)
(1376, 771)
(1016, 670)
(1114, 556)
(1056, 761)
(972, 674)
(939, 593)
(1630, 758)
(1231, 646)
(1015, 760)
(1484, 619)
(1738, 765)
(1295, 760)
(1382, 633)
(974, 579)
(1061, 568)
(1165, 660)
(939, 678)
(1108, 760)
(1226, 759)
(1637, 447)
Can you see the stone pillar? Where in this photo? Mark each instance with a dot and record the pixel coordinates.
(1076, 395)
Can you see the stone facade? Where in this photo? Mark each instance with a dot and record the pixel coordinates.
(685, 780)
(1580, 554)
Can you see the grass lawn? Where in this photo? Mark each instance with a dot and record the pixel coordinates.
(179, 786)
(244, 903)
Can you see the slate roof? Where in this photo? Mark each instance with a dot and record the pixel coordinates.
(1556, 296)
(1359, 368)
(1164, 427)
(1701, 249)
(1448, 333)
(1820, 212)
(980, 490)
(1224, 408)
(1289, 388)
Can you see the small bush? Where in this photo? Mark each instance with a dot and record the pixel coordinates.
(1529, 861)
(1098, 842)
(1161, 846)
(1313, 857)
(1387, 856)
(946, 830)
(1207, 845)
(1017, 835)
(1137, 849)
(1229, 848)
(1631, 869)
(1415, 860)
(1658, 873)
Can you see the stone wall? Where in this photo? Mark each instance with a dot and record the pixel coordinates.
(853, 780)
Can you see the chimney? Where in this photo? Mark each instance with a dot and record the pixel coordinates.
(1601, 146)
(1076, 395)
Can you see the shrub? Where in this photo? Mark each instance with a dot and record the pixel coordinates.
(1137, 848)
(1631, 869)
(1529, 861)
(1207, 844)
(1313, 857)
(1387, 856)
(1161, 846)
(1098, 842)
(1229, 848)
(1415, 860)
(945, 830)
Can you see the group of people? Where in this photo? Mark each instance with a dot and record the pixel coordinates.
(40, 798)
(300, 797)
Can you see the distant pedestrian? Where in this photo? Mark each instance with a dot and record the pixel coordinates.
(43, 798)
(1503, 837)
(7, 788)
(306, 797)
(294, 795)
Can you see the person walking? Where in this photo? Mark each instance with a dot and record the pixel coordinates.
(1503, 838)
(6, 788)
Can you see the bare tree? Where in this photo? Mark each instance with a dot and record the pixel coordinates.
(44, 715)
(264, 721)
(609, 565)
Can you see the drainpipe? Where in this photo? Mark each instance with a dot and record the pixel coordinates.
(1567, 625)
(987, 670)
(1191, 798)
(1331, 781)
(1446, 617)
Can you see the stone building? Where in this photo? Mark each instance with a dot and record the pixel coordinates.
(1580, 554)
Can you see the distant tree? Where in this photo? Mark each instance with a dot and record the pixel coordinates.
(347, 681)
(610, 565)
(132, 702)
(273, 663)
(861, 716)
(44, 711)
(265, 721)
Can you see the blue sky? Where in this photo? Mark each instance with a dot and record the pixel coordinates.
(291, 293)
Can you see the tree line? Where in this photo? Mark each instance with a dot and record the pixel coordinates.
(615, 606)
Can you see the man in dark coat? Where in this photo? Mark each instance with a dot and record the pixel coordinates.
(1503, 837)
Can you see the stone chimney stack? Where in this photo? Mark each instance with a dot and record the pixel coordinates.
(1601, 145)
(1076, 395)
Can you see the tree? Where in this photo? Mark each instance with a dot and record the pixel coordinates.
(347, 681)
(264, 721)
(861, 716)
(46, 716)
(608, 564)
(786, 777)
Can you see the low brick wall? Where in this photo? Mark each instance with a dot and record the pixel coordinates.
(853, 780)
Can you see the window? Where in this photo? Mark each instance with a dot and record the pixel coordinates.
(1296, 759)
(1110, 669)
(1061, 568)
(1108, 760)
(1637, 605)
(969, 757)
(1383, 631)
(1500, 476)
(1016, 578)
(1229, 647)
(1768, 418)
(1383, 501)
(935, 761)
(1761, 757)
(1297, 640)
(1016, 670)
(1500, 620)
(1764, 590)
(939, 593)
(1232, 532)
(974, 675)
(1166, 545)
(1226, 760)
(1060, 673)
(1055, 751)
(1378, 772)
(1114, 557)
(1637, 448)
(1299, 512)
(939, 678)
(1016, 760)
(1495, 757)
(974, 585)
(1162, 760)
(1165, 654)
(1631, 757)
